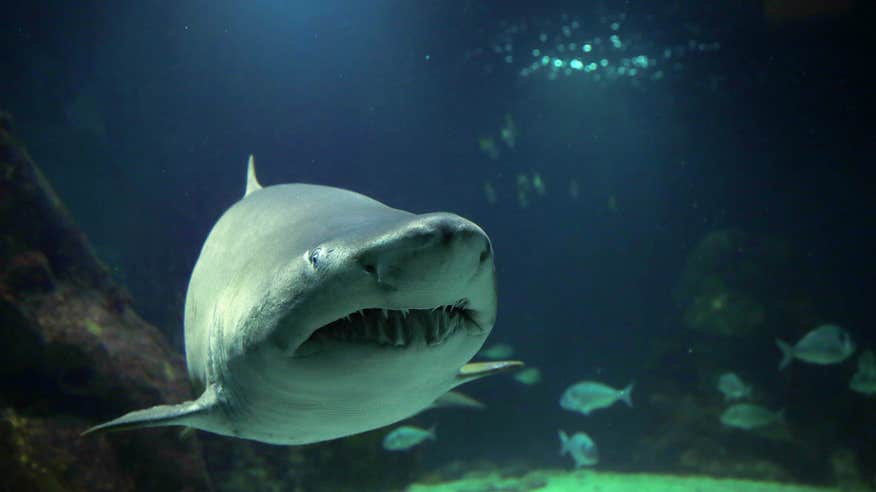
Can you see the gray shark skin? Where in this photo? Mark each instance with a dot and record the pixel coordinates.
(314, 313)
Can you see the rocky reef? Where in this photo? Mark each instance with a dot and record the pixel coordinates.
(736, 284)
(74, 353)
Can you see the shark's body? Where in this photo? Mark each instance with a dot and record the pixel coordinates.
(315, 313)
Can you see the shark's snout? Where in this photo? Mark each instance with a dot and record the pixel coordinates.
(443, 229)
(434, 249)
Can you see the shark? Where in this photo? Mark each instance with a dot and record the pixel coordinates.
(314, 313)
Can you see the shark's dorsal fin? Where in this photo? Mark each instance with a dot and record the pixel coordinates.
(252, 183)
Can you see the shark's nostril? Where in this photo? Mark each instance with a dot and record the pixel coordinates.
(487, 253)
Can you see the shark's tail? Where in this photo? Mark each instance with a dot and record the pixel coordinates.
(188, 413)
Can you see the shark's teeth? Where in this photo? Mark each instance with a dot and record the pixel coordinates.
(432, 331)
(445, 326)
(370, 331)
(399, 328)
(383, 332)
(403, 332)
(398, 332)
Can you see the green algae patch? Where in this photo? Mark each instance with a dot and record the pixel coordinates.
(169, 371)
(93, 328)
(590, 481)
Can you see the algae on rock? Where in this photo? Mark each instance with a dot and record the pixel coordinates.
(75, 353)
(736, 284)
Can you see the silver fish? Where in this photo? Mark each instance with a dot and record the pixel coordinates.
(528, 376)
(405, 437)
(732, 387)
(587, 396)
(497, 351)
(748, 416)
(827, 344)
(864, 380)
(580, 447)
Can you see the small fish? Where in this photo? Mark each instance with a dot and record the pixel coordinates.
(867, 364)
(488, 147)
(732, 387)
(528, 376)
(612, 203)
(498, 351)
(586, 396)
(490, 192)
(405, 437)
(864, 381)
(508, 133)
(748, 416)
(863, 385)
(538, 184)
(574, 190)
(827, 344)
(524, 187)
(582, 449)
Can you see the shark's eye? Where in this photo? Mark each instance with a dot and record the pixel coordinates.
(314, 258)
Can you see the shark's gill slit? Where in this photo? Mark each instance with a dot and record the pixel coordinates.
(397, 327)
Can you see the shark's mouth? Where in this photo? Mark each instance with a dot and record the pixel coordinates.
(398, 327)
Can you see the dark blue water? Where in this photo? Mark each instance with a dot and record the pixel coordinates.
(142, 115)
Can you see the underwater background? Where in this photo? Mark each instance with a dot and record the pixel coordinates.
(669, 187)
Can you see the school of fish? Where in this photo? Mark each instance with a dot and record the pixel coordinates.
(826, 344)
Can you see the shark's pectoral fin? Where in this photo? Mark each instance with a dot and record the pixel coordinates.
(456, 399)
(476, 370)
(188, 413)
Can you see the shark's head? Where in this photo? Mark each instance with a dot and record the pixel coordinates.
(380, 320)
(412, 284)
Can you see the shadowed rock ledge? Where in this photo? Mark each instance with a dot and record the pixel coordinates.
(74, 353)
